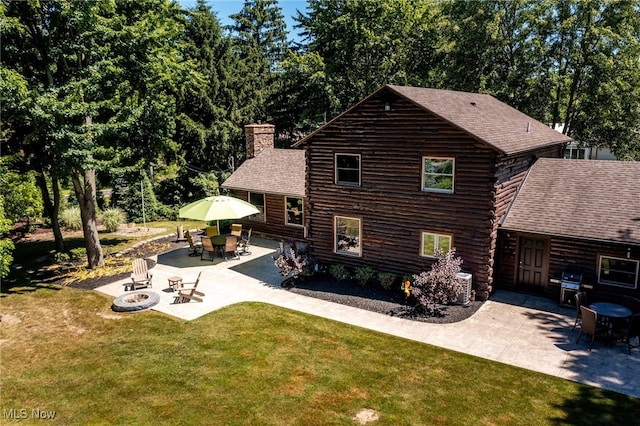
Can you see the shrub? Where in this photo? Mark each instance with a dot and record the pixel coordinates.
(364, 275)
(338, 272)
(71, 219)
(112, 218)
(386, 280)
(293, 259)
(440, 285)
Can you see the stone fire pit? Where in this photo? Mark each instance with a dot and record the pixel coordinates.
(135, 301)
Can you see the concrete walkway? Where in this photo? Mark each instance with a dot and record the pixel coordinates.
(521, 330)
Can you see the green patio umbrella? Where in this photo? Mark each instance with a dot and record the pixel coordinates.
(217, 208)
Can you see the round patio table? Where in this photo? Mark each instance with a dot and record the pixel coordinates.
(175, 282)
(611, 310)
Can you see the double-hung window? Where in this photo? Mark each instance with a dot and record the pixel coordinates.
(347, 169)
(437, 174)
(294, 211)
(347, 235)
(434, 244)
(618, 272)
(257, 199)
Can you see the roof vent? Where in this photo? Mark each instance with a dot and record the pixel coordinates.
(472, 103)
(528, 127)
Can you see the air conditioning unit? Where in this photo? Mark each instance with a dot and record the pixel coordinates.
(464, 297)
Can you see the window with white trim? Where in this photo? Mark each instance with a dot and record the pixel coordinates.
(348, 169)
(617, 271)
(432, 243)
(347, 235)
(257, 199)
(437, 174)
(574, 151)
(294, 211)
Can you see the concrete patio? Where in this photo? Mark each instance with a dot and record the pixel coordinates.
(517, 329)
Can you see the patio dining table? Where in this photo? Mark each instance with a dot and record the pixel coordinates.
(613, 314)
(219, 242)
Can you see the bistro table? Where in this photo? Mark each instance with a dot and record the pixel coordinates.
(612, 313)
(175, 282)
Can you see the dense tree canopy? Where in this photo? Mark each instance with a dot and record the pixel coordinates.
(109, 91)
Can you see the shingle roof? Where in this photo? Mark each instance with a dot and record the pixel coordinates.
(277, 171)
(586, 199)
(484, 117)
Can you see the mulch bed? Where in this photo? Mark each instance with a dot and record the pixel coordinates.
(322, 286)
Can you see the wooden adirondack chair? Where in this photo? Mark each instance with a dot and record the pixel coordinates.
(186, 295)
(140, 277)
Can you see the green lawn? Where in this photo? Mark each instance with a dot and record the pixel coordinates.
(63, 350)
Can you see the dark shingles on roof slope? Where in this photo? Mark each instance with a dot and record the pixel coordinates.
(483, 116)
(587, 199)
(277, 171)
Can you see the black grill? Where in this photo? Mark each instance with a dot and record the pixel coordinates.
(569, 285)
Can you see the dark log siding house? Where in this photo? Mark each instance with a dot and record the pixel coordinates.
(582, 216)
(410, 170)
(272, 180)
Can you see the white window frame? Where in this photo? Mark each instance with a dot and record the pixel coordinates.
(572, 148)
(424, 175)
(604, 281)
(436, 242)
(259, 217)
(335, 236)
(335, 166)
(287, 210)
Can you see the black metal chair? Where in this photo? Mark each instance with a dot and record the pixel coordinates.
(589, 325)
(632, 330)
(243, 244)
(581, 300)
(207, 246)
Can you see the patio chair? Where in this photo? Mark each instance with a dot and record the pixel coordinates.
(231, 246)
(243, 244)
(207, 246)
(589, 325)
(632, 330)
(140, 277)
(186, 295)
(236, 229)
(195, 247)
(581, 299)
(212, 231)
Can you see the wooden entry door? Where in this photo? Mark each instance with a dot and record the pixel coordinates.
(533, 264)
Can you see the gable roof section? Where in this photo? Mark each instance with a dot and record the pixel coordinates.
(586, 199)
(276, 171)
(483, 117)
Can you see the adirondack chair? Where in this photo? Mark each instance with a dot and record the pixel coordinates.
(140, 277)
(186, 295)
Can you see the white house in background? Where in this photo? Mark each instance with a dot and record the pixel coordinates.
(574, 151)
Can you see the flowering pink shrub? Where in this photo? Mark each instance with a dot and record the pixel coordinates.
(293, 259)
(440, 285)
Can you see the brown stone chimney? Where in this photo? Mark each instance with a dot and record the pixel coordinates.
(259, 137)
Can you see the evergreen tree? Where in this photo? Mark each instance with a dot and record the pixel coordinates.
(260, 42)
